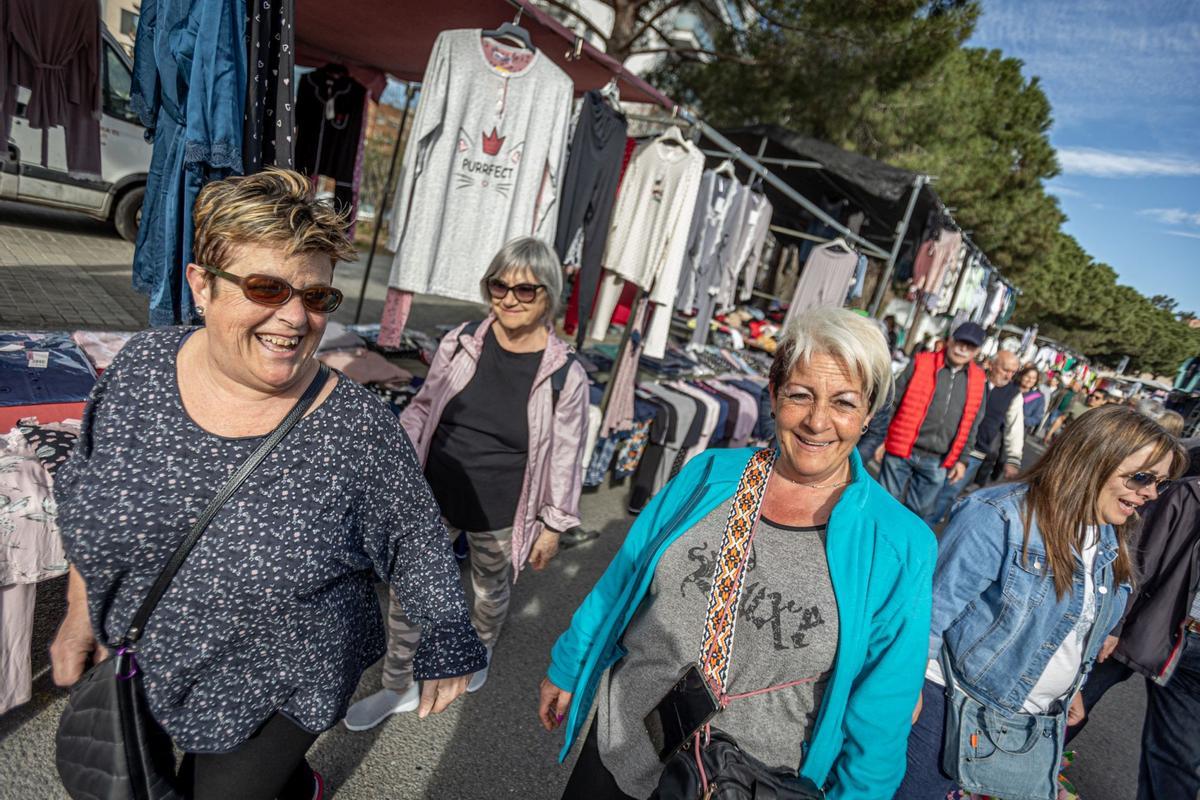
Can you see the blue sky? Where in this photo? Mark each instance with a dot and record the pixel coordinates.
(1123, 77)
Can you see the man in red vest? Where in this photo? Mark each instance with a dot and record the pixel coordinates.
(938, 411)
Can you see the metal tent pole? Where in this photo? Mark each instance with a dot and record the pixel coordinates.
(787, 191)
(901, 232)
(382, 206)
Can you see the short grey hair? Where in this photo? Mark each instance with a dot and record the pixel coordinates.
(851, 338)
(528, 252)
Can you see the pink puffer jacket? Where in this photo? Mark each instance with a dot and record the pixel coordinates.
(553, 473)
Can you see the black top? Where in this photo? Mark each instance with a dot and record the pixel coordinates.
(991, 429)
(329, 126)
(275, 609)
(477, 455)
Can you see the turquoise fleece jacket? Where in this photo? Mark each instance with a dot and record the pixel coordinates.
(881, 559)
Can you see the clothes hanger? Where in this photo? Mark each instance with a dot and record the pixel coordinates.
(512, 32)
(673, 135)
(840, 242)
(612, 93)
(725, 168)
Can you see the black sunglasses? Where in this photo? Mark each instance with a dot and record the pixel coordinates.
(524, 292)
(268, 290)
(1140, 480)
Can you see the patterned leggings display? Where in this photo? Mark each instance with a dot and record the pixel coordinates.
(491, 580)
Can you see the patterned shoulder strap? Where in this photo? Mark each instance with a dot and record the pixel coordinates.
(729, 574)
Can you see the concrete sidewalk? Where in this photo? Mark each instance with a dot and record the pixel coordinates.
(64, 271)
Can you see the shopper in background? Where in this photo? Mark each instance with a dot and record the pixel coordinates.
(1061, 400)
(1030, 578)
(1033, 397)
(836, 593)
(1000, 439)
(939, 407)
(262, 636)
(1078, 407)
(1159, 638)
(499, 426)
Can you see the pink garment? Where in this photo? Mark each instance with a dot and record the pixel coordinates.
(618, 416)
(395, 316)
(554, 472)
(30, 547)
(929, 269)
(358, 167)
(366, 366)
(16, 632)
(101, 347)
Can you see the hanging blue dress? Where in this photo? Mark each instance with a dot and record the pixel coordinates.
(189, 89)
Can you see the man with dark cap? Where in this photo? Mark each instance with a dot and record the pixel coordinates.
(938, 402)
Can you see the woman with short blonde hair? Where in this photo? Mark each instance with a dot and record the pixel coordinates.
(263, 633)
(833, 608)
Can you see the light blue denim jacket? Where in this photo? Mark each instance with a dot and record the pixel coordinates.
(997, 611)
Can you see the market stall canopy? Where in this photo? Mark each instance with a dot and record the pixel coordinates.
(879, 190)
(396, 36)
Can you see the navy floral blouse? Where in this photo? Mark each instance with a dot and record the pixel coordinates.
(275, 608)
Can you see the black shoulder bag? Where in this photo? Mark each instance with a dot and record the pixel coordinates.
(108, 745)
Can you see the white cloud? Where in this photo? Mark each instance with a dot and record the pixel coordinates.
(1107, 164)
(1064, 191)
(1172, 216)
(1184, 234)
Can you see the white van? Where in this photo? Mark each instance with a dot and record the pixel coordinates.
(124, 155)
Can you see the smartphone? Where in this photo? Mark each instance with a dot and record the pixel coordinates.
(685, 709)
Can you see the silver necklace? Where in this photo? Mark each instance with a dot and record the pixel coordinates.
(813, 485)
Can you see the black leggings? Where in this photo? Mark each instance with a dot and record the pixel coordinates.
(591, 780)
(269, 765)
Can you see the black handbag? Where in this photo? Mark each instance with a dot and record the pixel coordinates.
(108, 746)
(720, 770)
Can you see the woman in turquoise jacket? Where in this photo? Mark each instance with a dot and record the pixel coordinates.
(836, 596)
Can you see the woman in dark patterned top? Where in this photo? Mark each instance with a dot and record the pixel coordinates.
(261, 638)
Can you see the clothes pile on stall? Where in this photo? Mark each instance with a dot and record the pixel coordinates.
(46, 380)
(664, 411)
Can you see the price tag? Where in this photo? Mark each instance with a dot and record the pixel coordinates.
(38, 359)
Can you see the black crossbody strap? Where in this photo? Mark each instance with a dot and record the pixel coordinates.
(138, 626)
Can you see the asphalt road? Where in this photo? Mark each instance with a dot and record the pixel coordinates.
(488, 745)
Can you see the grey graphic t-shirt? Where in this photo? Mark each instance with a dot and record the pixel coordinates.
(787, 630)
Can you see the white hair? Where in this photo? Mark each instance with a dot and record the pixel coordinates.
(539, 258)
(851, 338)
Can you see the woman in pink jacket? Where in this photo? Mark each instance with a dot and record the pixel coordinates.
(499, 427)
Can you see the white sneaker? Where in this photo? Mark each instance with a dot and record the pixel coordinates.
(370, 711)
(479, 678)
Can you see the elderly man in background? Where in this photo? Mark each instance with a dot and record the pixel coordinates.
(939, 408)
(1001, 435)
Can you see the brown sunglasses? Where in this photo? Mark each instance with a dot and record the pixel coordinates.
(268, 290)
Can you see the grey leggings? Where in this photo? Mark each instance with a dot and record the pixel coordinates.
(491, 579)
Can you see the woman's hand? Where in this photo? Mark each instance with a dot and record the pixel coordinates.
(74, 643)
(544, 549)
(437, 695)
(1076, 713)
(879, 453)
(1106, 649)
(553, 705)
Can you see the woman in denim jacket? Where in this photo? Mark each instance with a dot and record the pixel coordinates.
(1031, 576)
